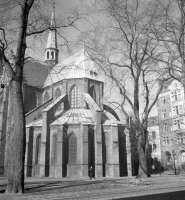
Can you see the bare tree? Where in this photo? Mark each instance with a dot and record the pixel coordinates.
(168, 28)
(124, 50)
(21, 19)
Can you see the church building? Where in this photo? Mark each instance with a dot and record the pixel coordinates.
(69, 127)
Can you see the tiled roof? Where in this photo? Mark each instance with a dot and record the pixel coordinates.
(75, 116)
(84, 116)
(78, 65)
(35, 73)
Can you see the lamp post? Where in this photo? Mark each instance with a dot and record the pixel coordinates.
(173, 152)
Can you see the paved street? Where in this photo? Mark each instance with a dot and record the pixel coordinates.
(164, 187)
(180, 195)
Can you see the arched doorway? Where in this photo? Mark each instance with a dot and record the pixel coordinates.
(168, 159)
(182, 160)
(91, 151)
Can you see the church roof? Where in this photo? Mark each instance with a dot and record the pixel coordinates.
(52, 37)
(75, 116)
(84, 116)
(78, 65)
(35, 73)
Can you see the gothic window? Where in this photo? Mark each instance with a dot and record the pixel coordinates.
(38, 149)
(92, 92)
(46, 97)
(72, 149)
(52, 55)
(75, 97)
(57, 93)
(54, 157)
(47, 54)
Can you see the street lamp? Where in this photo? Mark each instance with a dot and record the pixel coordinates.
(173, 152)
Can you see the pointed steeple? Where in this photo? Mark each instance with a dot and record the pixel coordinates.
(51, 51)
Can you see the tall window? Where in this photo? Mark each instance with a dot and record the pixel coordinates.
(92, 92)
(177, 95)
(38, 149)
(177, 124)
(180, 139)
(46, 97)
(165, 127)
(72, 149)
(47, 54)
(52, 55)
(153, 135)
(162, 100)
(154, 147)
(57, 93)
(54, 157)
(163, 113)
(75, 97)
(166, 141)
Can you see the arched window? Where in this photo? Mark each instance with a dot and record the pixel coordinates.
(92, 92)
(75, 97)
(168, 157)
(52, 55)
(47, 54)
(72, 149)
(57, 93)
(38, 149)
(54, 156)
(46, 97)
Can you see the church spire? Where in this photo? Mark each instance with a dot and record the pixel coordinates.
(51, 51)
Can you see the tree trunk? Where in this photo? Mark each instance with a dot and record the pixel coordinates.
(17, 145)
(18, 133)
(142, 152)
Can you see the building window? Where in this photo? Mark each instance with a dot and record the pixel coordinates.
(52, 55)
(177, 109)
(162, 100)
(177, 95)
(92, 92)
(75, 97)
(165, 127)
(72, 149)
(47, 54)
(183, 157)
(46, 97)
(154, 148)
(166, 141)
(177, 124)
(153, 135)
(57, 93)
(180, 139)
(168, 158)
(38, 149)
(163, 114)
(54, 156)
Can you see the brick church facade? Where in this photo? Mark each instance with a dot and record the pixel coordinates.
(69, 128)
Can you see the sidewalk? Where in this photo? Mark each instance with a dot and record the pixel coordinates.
(100, 188)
